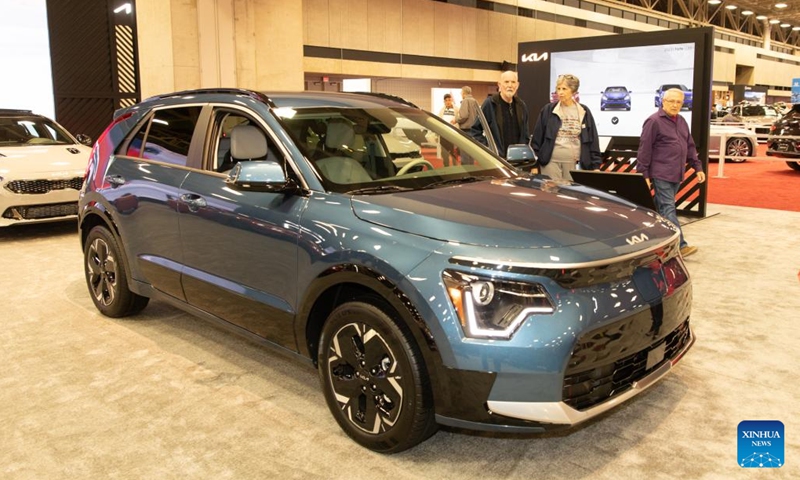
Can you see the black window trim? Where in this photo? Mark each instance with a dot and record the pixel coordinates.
(122, 149)
(211, 129)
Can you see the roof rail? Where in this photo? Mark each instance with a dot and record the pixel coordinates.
(388, 97)
(16, 111)
(235, 91)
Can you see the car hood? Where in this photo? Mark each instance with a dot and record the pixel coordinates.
(616, 94)
(516, 213)
(54, 161)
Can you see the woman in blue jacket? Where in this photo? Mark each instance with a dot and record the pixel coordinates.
(565, 134)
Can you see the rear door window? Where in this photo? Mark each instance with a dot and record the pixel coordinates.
(167, 136)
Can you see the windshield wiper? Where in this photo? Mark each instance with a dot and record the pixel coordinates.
(458, 181)
(379, 189)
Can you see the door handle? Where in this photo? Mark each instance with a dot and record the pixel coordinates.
(115, 180)
(194, 201)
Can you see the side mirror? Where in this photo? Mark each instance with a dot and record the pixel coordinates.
(520, 155)
(84, 139)
(260, 176)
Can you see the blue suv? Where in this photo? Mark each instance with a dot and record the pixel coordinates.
(470, 295)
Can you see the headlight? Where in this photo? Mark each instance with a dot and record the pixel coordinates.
(491, 308)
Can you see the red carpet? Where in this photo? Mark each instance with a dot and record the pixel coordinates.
(756, 183)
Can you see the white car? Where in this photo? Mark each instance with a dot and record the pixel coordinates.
(740, 142)
(41, 169)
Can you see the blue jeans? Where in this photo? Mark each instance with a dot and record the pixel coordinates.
(665, 203)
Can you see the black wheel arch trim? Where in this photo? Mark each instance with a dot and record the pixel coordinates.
(366, 277)
(409, 315)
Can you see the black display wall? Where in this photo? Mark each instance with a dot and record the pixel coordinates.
(94, 61)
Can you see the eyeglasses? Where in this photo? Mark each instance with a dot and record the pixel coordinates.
(673, 101)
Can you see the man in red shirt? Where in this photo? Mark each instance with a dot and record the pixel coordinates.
(665, 147)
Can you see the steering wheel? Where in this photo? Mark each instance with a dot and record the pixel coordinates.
(413, 163)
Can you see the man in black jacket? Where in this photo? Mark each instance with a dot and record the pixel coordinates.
(506, 115)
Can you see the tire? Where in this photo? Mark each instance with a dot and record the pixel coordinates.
(740, 147)
(378, 390)
(794, 166)
(106, 277)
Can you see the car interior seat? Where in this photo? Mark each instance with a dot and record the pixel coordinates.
(247, 142)
(341, 168)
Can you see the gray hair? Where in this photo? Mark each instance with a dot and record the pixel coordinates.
(466, 90)
(571, 81)
(675, 90)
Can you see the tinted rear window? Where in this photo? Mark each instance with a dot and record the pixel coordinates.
(169, 136)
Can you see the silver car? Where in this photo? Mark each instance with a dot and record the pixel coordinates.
(740, 142)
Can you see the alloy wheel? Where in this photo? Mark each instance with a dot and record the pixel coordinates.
(365, 377)
(738, 147)
(101, 267)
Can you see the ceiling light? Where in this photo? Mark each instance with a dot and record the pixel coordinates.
(730, 7)
(774, 21)
(784, 25)
(761, 17)
(781, 5)
(794, 29)
(746, 12)
(714, 2)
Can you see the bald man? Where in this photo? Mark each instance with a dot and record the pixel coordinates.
(506, 114)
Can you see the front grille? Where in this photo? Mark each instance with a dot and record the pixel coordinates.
(43, 186)
(32, 212)
(588, 388)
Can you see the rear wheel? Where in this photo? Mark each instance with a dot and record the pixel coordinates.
(794, 165)
(374, 379)
(738, 147)
(106, 277)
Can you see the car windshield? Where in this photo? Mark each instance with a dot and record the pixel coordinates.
(23, 131)
(383, 150)
(616, 90)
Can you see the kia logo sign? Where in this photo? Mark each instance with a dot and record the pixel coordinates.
(535, 57)
(637, 239)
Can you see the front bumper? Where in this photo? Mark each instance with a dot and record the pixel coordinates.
(562, 413)
(33, 201)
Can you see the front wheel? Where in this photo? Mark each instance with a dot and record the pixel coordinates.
(106, 277)
(738, 147)
(794, 165)
(374, 379)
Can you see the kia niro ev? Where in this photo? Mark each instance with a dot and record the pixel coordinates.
(470, 295)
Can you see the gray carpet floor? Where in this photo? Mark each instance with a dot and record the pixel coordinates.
(165, 395)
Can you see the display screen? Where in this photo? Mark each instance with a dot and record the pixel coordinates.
(624, 77)
(624, 86)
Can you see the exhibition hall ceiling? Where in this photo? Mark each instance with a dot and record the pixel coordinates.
(752, 17)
